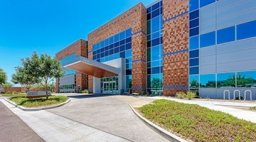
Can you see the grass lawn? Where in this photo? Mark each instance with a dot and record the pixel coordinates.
(14, 95)
(38, 102)
(198, 123)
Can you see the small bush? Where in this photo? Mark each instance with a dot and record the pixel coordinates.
(85, 91)
(181, 95)
(189, 95)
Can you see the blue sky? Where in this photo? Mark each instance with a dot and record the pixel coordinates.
(47, 26)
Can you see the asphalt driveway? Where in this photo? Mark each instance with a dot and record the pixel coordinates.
(13, 129)
(108, 114)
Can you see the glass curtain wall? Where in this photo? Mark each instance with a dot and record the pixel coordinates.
(114, 47)
(154, 49)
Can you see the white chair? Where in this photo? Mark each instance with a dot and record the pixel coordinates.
(245, 94)
(239, 94)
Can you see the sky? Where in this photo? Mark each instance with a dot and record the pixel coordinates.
(48, 26)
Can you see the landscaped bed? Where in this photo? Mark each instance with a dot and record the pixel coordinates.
(198, 123)
(39, 102)
(14, 95)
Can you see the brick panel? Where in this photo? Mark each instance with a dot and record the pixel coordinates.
(175, 46)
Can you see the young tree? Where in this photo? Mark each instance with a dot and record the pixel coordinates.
(50, 68)
(3, 77)
(38, 69)
(23, 77)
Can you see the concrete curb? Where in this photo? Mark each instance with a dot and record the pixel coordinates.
(38, 108)
(171, 137)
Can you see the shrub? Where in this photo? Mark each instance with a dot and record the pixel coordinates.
(85, 91)
(191, 95)
(181, 95)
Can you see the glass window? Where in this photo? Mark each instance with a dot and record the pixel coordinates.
(194, 31)
(156, 53)
(194, 62)
(194, 70)
(246, 79)
(226, 80)
(155, 81)
(246, 30)
(128, 53)
(226, 35)
(194, 15)
(128, 81)
(206, 2)
(208, 81)
(194, 81)
(155, 24)
(207, 39)
(194, 54)
(156, 70)
(193, 4)
(155, 63)
(194, 23)
(194, 43)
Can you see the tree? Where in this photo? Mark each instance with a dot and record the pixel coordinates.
(3, 77)
(23, 77)
(38, 69)
(50, 68)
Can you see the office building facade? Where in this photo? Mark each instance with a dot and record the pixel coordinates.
(206, 46)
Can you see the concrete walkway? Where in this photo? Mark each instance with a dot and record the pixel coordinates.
(54, 128)
(13, 129)
(229, 107)
(92, 119)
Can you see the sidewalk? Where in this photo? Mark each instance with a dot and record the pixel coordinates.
(54, 128)
(13, 129)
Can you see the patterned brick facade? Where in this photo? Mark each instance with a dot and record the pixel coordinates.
(80, 48)
(175, 46)
(135, 18)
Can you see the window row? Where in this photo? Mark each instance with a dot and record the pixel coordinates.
(155, 13)
(195, 4)
(113, 39)
(155, 42)
(242, 31)
(125, 42)
(71, 86)
(154, 7)
(155, 70)
(154, 10)
(112, 57)
(224, 80)
(120, 50)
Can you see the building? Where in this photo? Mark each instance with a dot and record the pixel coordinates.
(207, 46)
(72, 81)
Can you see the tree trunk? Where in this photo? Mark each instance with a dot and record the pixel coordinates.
(46, 87)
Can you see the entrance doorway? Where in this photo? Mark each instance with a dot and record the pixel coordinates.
(109, 85)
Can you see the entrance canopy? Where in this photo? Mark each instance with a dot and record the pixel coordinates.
(93, 68)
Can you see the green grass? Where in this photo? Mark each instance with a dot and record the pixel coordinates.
(14, 95)
(198, 123)
(52, 100)
(253, 108)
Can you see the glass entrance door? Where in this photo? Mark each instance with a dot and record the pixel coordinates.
(110, 87)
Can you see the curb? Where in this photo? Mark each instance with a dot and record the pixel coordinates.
(38, 108)
(171, 137)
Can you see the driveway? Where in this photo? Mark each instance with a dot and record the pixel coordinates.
(109, 114)
(13, 129)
